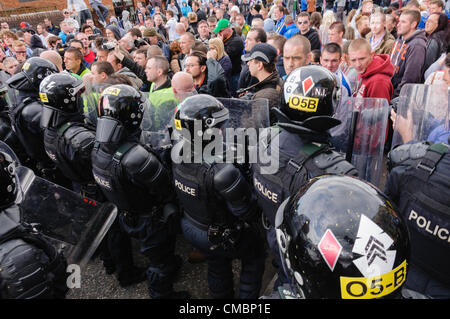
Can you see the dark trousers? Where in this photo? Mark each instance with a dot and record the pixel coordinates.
(250, 250)
(158, 245)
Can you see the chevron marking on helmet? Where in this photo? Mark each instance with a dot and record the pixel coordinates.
(373, 244)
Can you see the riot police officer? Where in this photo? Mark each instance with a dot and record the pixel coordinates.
(217, 201)
(26, 116)
(30, 266)
(68, 141)
(132, 176)
(7, 134)
(339, 237)
(419, 184)
(299, 142)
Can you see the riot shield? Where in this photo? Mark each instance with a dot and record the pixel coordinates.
(157, 124)
(73, 224)
(246, 120)
(422, 114)
(362, 134)
(91, 96)
(247, 113)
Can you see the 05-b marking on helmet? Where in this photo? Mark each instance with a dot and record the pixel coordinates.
(303, 103)
(374, 287)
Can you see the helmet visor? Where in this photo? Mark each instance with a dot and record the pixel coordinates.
(106, 129)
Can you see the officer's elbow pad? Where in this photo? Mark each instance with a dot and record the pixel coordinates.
(231, 185)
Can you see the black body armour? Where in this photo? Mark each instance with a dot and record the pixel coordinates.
(26, 121)
(70, 147)
(424, 202)
(108, 167)
(30, 267)
(313, 159)
(194, 185)
(8, 136)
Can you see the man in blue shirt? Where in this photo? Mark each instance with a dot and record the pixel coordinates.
(280, 27)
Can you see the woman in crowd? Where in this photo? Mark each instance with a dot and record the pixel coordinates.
(437, 32)
(216, 44)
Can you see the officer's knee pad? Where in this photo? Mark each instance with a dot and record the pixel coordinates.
(23, 272)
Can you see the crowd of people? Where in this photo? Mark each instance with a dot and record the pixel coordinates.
(404, 39)
(182, 57)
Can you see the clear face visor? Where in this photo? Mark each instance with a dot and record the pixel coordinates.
(20, 81)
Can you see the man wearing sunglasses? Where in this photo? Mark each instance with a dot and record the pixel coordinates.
(303, 24)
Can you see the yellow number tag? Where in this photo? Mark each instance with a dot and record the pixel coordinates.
(303, 103)
(26, 66)
(177, 124)
(43, 97)
(112, 91)
(374, 287)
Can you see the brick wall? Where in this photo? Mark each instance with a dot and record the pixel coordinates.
(34, 11)
(60, 4)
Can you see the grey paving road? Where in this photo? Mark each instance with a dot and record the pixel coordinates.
(95, 284)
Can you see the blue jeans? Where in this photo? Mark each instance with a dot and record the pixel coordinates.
(101, 11)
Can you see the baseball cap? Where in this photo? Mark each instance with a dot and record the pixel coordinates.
(222, 24)
(150, 32)
(261, 51)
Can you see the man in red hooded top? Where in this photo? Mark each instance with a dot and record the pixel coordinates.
(374, 70)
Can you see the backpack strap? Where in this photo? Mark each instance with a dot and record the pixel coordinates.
(428, 164)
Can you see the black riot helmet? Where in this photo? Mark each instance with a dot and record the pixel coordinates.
(62, 91)
(4, 99)
(120, 106)
(61, 95)
(34, 70)
(199, 113)
(8, 187)
(309, 91)
(340, 237)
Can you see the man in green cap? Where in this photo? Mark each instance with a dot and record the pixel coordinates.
(155, 38)
(233, 46)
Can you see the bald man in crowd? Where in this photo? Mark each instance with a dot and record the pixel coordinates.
(183, 85)
(296, 53)
(53, 57)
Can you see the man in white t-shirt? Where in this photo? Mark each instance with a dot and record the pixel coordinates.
(171, 25)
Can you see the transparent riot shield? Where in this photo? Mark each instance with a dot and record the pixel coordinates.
(362, 135)
(422, 114)
(247, 113)
(91, 97)
(246, 120)
(157, 124)
(73, 224)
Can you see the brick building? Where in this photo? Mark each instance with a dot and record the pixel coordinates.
(58, 4)
(33, 11)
